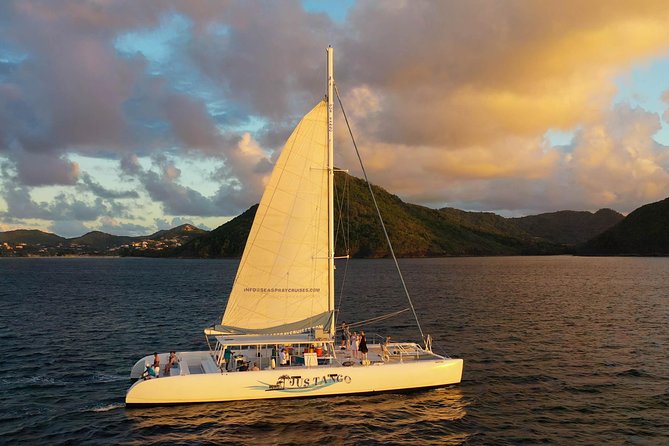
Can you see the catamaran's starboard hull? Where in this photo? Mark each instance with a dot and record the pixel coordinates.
(295, 382)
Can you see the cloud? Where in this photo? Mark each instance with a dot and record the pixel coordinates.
(20, 205)
(178, 221)
(73, 85)
(613, 163)
(5, 227)
(458, 110)
(102, 192)
(618, 163)
(242, 181)
(243, 176)
(176, 199)
(260, 57)
(69, 228)
(665, 99)
(130, 164)
(113, 226)
(191, 122)
(39, 169)
(480, 70)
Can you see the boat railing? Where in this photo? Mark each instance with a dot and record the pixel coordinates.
(377, 338)
(404, 350)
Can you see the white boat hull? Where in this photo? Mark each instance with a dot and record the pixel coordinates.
(295, 382)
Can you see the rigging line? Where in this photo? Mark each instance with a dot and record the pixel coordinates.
(378, 318)
(346, 237)
(342, 230)
(369, 185)
(348, 215)
(340, 221)
(341, 289)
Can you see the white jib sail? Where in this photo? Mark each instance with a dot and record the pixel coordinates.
(282, 281)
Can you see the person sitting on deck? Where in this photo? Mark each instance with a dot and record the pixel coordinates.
(385, 352)
(255, 368)
(156, 364)
(149, 372)
(284, 358)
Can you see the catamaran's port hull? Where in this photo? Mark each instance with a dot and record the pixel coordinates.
(295, 382)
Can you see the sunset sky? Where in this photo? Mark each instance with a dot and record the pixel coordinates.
(129, 116)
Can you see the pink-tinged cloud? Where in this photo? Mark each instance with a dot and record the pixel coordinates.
(46, 170)
(191, 123)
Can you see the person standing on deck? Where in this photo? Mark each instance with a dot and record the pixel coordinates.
(345, 335)
(363, 347)
(227, 357)
(156, 364)
(170, 363)
(354, 345)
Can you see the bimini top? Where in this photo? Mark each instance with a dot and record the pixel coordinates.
(266, 340)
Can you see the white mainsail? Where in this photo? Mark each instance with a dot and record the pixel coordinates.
(282, 281)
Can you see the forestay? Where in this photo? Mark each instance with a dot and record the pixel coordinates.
(282, 281)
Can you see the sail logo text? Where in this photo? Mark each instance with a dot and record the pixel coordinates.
(297, 382)
(281, 290)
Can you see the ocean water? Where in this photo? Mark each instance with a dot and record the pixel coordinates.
(557, 350)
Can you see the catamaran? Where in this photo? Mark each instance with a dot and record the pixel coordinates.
(277, 336)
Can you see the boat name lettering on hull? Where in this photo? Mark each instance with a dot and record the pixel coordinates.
(298, 382)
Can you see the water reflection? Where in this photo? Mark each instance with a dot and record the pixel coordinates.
(406, 418)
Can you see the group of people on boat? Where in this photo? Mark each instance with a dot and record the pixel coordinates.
(355, 342)
(280, 356)
(237, 362)
(153, 370)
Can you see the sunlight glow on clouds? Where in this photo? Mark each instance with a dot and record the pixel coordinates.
(130, 116)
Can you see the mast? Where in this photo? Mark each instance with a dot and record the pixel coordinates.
(331, 251)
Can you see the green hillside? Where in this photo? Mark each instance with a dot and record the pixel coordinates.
(643, 232)
(227, 240)
(418, 231)
(415, 231)
(31, 236)
(569, 227)
(182, 231)
(101, 240)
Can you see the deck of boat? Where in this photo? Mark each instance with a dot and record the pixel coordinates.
(203, 362)
(397, 352)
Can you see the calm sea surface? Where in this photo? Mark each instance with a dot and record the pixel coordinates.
(557, 350)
